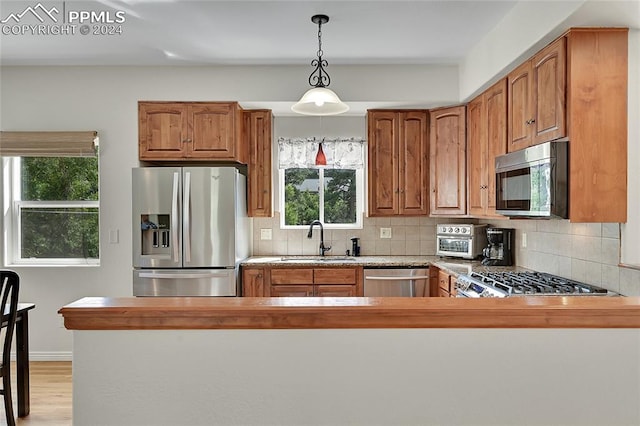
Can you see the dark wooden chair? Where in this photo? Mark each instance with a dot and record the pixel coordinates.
(9, 284)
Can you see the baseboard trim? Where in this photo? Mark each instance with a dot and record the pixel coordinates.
(47, 356)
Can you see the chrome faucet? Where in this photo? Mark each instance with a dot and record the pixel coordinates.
(310, 234)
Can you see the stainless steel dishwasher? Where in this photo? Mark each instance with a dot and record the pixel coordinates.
(396, 282)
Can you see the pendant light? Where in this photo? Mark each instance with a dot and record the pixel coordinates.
(321, 159)
(320, 100)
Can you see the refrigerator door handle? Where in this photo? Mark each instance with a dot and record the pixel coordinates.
(184, 275)
(175, 223)
(186, 220)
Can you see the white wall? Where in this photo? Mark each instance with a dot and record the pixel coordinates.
(357, 377)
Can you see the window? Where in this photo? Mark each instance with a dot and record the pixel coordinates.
(53, 217)
(333, 194)
(328, 195)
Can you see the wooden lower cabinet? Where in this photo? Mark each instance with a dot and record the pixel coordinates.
(253, 282)
(291, 291)
(325, 290)
(302, 282)
(441, 283)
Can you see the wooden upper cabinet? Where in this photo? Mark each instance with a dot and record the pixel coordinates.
(520, 107)
(549, 72)
(537, 98)
(577, 87)
(448, 161)
(486, 139)
(597, 79)
(495, 101)
(383, 163)
(162, 129)
(412, 152)
(477, 155)
(257, 131)
(397, 168)
(191, 131)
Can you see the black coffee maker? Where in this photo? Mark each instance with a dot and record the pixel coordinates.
(499, 252)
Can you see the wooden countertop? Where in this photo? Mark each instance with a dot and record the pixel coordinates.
(161, 313)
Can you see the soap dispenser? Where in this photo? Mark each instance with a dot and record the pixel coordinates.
(355, 248)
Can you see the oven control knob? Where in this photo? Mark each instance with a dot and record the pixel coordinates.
(450, 229)
(457, 230)
(465, 230)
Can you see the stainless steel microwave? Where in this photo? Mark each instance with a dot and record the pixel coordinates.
(533, 182)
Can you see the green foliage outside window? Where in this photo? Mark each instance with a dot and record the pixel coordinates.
(60, 231)
(302, 196)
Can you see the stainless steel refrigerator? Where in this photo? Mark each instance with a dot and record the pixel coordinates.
(190, 231)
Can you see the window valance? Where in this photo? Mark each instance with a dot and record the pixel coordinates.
(48, 144)
(341, 153)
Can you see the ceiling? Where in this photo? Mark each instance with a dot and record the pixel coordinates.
(169, 32)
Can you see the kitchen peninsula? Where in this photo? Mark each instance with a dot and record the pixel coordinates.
(292, 361)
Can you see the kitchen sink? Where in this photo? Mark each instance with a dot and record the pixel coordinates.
(323, 259)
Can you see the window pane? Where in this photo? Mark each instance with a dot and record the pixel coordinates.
(301, 196)
(340, 196)
(59, 232)
(59, 178)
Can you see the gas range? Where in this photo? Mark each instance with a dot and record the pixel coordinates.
(525, 283)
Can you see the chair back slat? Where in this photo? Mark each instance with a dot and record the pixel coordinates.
(9, 305)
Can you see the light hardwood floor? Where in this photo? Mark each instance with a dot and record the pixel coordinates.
(50, 395)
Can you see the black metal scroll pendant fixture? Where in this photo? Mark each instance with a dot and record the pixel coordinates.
(320, 100)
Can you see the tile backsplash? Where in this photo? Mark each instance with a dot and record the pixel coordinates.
(588, 252)
(409, 236)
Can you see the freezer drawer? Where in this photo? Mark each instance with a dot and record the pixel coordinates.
(185, 282)
(396, 282)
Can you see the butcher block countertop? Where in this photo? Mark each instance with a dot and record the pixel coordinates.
(163, 313)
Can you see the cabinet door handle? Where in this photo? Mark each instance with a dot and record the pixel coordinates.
(531, 121)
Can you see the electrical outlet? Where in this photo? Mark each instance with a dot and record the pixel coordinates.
(114, 236)
(524, 240)
(60, 321)
(266, 233)
(385, 232)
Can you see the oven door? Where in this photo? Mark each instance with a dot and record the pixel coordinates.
(454, 246)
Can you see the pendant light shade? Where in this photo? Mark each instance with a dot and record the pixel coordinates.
(320, 100)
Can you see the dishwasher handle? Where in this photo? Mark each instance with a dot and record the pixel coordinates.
(408, 277)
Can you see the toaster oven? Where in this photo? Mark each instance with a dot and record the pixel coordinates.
(465, 241)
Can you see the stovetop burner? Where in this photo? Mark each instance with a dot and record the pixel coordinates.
(505, 284)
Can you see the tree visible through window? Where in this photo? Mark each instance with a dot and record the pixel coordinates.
(57, 208)
(328, 195)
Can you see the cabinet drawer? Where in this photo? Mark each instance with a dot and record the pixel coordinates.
(443, 281)
(292, 276)
(334, 276)
(291, 290)
(327, 290)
